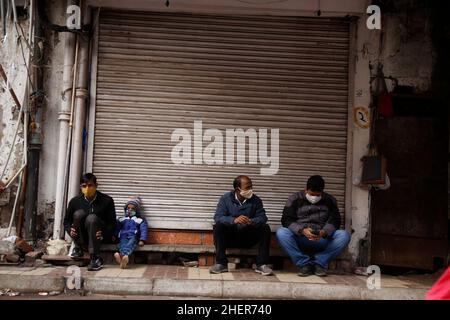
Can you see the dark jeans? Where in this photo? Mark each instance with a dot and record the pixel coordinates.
(87, 226)
(232, 236)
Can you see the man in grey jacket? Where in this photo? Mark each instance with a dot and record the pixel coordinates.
(309, 232)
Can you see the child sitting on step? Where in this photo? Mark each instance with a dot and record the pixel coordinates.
(131, 229)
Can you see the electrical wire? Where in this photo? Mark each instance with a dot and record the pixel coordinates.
(25, 62)
(13, 143)
(21, 112)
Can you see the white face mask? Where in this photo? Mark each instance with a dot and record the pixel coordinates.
(247, 194)
(313, 199)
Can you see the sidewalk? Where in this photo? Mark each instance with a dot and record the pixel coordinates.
(168, 280)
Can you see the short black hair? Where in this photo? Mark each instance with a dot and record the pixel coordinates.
(237, 181)
(88, 177)
(315, 183)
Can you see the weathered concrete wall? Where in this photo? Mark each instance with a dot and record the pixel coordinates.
(408, 52)
(54, 53)
(12, 60)
(405, 49)
(365, 52)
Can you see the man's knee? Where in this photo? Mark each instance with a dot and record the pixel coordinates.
(91, 219)
(79, 215)
(342, 237)
(283, 233)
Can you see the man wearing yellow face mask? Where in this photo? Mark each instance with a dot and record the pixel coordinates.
(90, 219)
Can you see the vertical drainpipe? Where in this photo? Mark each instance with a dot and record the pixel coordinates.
(76, 157)
(35, 138)
(64, 117)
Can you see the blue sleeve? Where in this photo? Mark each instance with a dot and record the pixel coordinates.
(260, 217)
(222, 215)
(143, 230)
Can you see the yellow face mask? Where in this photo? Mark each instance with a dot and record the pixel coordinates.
(89, 192)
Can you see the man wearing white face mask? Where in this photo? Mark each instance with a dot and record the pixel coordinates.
(309, 232)
(240, 222)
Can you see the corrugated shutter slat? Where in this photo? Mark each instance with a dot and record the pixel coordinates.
(158, 72)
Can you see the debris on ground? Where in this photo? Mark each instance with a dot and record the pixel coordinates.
(9, 293)
(57, 247)
(23, 246)
(14, 258)
(361, 271)
(188, 263)
(7, 247)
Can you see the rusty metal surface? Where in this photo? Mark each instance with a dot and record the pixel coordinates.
(409, 220)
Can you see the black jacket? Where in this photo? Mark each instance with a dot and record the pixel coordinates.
(299, 213)
(102, 206)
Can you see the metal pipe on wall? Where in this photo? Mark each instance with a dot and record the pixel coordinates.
(64, 117)
(81, 94)
(35, 141)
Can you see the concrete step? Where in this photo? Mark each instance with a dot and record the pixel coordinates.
(244, 285)
(181, 248)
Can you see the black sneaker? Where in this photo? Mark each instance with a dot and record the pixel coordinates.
(305, 271)
(95, 264)
(77, 253)
(319, 271)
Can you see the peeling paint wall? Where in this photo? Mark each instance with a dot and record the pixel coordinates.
(408, 52)
(12, 59)
(54, 62)
(405, 49)
(366, 53)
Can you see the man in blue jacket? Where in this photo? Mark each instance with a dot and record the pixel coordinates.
(240, 222)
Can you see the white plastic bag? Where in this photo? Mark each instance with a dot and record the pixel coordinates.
(57, 247)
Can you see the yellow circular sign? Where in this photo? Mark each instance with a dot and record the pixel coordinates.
(361, 117)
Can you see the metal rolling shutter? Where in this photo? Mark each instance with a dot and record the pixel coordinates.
(158, 72)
